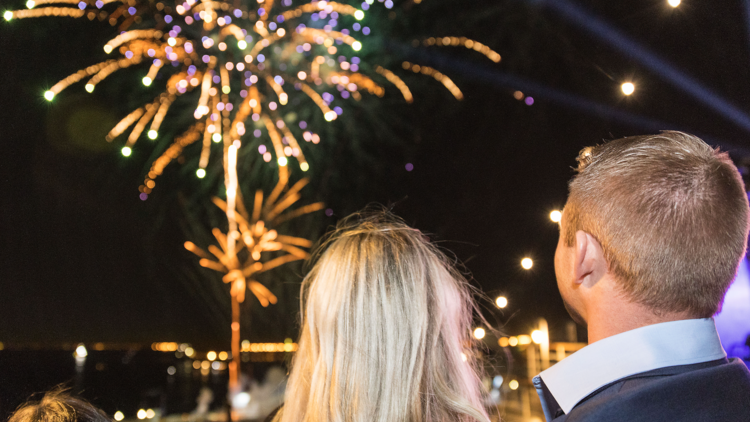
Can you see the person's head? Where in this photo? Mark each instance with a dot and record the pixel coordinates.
(58, 405)
(386, 325)
(666, 214)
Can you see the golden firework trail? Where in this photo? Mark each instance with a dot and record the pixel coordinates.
(238, 62)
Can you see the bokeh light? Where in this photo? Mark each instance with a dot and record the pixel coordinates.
(628, 88)
(555, 216)
(501, 301)
(479, 333)
(527, 263)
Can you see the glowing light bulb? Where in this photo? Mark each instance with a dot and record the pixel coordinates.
(147, 81)
(538, 337)
(81, 351)
(241, 400)
(513, 385)
(242, 44)
(152, 134)
(49, 95)
(89, 87)
(479, 333)
(119, 416)
(141, 414)
(172, 42)
(201, 173)
(150, 413)
(674, 3)
(356, 46)
(126, 151)
(527, 263)
(555, 216)
(302, 75)
(211, 355)
(226, 89)
(283, 161)
(330, 116)
(30, 4)
(359, 15)
(107, 48)
(8, 15)
(513, 341)
(216, 137)
(628, 88)
(304, 166)
(501, 301)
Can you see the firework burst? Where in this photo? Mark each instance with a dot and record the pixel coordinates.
(243, 251)
(237, 63)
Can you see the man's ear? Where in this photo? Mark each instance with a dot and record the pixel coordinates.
(589, 257)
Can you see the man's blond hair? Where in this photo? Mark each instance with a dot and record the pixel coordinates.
(671, 215)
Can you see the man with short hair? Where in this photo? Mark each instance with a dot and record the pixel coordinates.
(650, 240)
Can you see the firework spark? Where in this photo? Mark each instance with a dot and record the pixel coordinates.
(238, 64)
(241, 254)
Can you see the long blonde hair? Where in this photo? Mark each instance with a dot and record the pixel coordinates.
(385, 335)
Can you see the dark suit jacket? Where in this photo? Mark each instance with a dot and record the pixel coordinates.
(706, 392)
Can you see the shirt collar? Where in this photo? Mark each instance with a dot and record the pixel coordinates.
(644, 349)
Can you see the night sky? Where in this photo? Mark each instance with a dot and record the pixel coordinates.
(83, 259)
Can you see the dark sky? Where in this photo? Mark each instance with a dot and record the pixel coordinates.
(83, 259)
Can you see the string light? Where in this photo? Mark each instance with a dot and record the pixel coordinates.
(628, 88)
(479, 333)
(501, 302)
(527, 263)
(555, 216)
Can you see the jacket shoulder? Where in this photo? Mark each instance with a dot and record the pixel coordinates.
(714, 393)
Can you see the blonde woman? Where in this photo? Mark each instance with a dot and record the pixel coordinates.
(385, 333)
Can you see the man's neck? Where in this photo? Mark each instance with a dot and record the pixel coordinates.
(618, 315)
